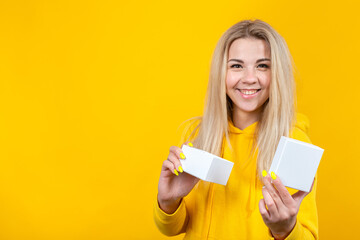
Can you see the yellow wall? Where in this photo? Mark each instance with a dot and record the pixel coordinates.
(92, 93)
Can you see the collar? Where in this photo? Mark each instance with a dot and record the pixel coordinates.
(248, 130)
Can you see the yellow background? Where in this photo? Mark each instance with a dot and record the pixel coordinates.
(92, 94)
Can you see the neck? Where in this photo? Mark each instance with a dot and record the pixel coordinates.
(243, 119)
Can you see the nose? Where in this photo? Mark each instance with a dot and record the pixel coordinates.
(249, 77)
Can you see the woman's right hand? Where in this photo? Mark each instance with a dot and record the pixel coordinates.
(174, 184)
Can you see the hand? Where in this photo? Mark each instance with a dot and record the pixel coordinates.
(282, 208)
(174, 184)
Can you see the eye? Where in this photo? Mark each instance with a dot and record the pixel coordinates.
(263, 66)
(236, 66)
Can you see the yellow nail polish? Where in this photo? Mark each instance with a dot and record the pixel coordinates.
(264, 173)
(190, 144)
(273, 176)
(182, 155)
(176, 172)
(181, 169)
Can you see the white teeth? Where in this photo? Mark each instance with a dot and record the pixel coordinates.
(248, 92)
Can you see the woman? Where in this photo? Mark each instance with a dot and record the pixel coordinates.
(250, 105)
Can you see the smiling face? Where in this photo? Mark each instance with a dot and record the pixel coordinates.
(248, 75)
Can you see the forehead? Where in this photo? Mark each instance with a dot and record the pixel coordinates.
(249, 48)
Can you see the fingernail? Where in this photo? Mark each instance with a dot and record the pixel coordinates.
(176, 172)
(181, 169)
(182, 155)
(264, 173)
(190, 144)
(273, 176)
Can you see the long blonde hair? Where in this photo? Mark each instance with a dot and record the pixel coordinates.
(278, 112)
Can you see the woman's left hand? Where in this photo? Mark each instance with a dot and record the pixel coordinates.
(282, 208)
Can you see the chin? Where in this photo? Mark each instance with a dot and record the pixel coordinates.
(248, 109)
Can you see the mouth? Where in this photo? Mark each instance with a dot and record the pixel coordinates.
(248, 92)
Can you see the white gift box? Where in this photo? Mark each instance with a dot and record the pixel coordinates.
(296, 163)
(206, 166)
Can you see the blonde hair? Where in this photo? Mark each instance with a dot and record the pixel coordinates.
(278, 112)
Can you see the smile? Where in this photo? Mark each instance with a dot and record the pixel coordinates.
(249, 91)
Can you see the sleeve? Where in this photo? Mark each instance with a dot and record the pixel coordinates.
(175, 223)
(306, 227)
(171, 224)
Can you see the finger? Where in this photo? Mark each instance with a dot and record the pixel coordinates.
(174, 159)
(263, 211)
(270, 203)
(187, 143)
(274, 193)
(284, 194)
(282, 209)
(167, 165)
(178, 152)
(300, 195)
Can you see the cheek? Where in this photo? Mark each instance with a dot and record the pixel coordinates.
(227, 84)
(230, 80)
(266, 80)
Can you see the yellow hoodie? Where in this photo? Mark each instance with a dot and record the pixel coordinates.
(214, 211)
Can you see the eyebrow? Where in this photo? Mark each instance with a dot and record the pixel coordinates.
(241, 61)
